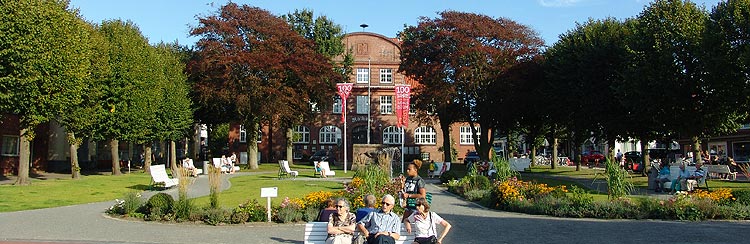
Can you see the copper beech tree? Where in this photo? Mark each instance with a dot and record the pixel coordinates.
(259, 68)
(456, 57)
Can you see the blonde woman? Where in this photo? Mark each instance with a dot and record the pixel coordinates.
(424, 221)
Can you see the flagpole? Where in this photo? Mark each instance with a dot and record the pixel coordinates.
(343, 103)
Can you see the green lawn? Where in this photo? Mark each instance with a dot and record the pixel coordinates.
(63, 192)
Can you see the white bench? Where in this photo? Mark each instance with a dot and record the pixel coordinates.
(317, 232)
(324, 166)
(439, 169)
(674, 172)
(285, 171)
(718, 170)
(519, 164)
(159, 177)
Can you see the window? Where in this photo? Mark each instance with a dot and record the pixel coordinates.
(424, 135)
(412, 108)
(386, 104)
(329, 134)
(260, 136)
(465, 135)
(363, 75)
(243, 134)
(392, 135)
(301, 134)
(740, 151)
(337, 105)
(10, 146)
(386, 76)
(363, 105)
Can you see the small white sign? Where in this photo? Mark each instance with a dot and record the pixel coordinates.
(269, 191)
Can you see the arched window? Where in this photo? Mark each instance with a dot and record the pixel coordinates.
(392, 135)
(329, 134)
(301, 134)
(424, 135)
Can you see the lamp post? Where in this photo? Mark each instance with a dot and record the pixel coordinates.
(369, 106)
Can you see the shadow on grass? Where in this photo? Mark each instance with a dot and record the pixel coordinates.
(140, 187)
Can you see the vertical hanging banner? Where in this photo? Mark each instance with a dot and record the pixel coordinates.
(403, 95)
(345, 89)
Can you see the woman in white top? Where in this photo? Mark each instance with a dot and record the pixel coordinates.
(424, 221)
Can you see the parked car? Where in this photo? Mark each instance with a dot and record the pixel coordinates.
(633, 160)
(592, 158)
(471, 157)
(323, 155)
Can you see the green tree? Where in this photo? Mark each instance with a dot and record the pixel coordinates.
(131, 93)
(253, 60)
(328, 38)
(667, 78)
(465, 53)
(43, 65)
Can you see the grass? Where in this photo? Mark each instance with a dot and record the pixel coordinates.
(63, 192)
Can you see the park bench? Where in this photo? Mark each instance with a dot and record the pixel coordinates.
(674, 172)
(718, 170)
(326, 168)
(317, 232)
(159, 177)
(285, 171)
(217, 163)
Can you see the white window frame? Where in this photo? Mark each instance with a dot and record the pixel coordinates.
(386, 75)
(465, 136)
(392, 135)
(243, 134)
(329, 134)
(425, 135)
(412, 108)
(386, 104)
(336, 105)
(363, 108)
(260, 136)
(8, 142)
(302, 133)
(363, 75)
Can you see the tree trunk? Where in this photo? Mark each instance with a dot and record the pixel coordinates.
(162, 151)
(252, 147)
(114, 147)
(147, 154)
(697, 156)
(173, 159)
(533, 155)
(196, 142)
(446, 128)
(24, 158)
(555, 144)
(75, 169)
(290, 146)
(646, 157)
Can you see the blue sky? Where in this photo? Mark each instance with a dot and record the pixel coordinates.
(170, 20)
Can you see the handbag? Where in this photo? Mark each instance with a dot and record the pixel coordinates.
(359, 239)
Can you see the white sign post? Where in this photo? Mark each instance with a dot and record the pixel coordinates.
(268, 193)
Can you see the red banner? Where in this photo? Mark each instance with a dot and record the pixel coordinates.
(345, 89)
(403, 95)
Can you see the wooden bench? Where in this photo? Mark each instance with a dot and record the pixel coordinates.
(718, 170)
(317, 232)
(160, 178)
(285, 171)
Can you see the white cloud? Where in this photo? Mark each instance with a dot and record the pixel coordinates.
(558, 3)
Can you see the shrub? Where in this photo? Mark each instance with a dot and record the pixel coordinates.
(183, 208)
(742, 196)
(475, 182)
(215, 216)
(289, 212)
(159, 206)
(617, 182)
(579, 197)
(253, 210)
(128, 206)
(478, 194)
(448, 176)
(504, 172)
(310, 214)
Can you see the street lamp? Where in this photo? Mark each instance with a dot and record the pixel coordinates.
(369, 106)
(363, 27)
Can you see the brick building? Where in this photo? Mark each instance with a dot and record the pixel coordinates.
(376, 62)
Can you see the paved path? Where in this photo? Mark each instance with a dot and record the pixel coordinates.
(472, 224)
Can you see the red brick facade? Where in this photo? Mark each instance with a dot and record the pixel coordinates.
(377, 56)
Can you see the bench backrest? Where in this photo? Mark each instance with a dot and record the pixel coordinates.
(720, 169)
(159, 173)
(285, 164)
(216, 162)
(317, 232)
(519, 164)
(324, 166)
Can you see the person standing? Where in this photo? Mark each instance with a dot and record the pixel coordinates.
(424, 221)
(412, 190)
(381, 226)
